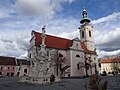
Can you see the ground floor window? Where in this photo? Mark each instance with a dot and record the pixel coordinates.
(25, 71)
(8, 74)
(78, 67)
(12, 74)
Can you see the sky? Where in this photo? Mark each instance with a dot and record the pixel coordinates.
(61, 17)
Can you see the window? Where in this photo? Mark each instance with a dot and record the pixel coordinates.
(82, 34)
(0, 73)
(30, 55)
(90, 33)
(76, 46)
(60, 66)
(8, 68)
(60, 55)
(7, 74)
(78, 67)
(13, 68)
(1, 68)
(77, 56)
(12, 74)
(25, 71)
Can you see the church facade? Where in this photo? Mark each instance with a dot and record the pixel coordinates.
(79, 57)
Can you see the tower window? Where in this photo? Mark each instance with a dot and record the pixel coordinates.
(30, 55)
(90, 33)
(82, 34)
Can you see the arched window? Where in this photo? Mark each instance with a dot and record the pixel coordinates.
(77, 55)
(30, 55)
(82, 34)
(60, 55)
(78, 67)
(90, 33)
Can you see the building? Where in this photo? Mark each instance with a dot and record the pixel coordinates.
(7, 66)
(80, 58)
(22, 67)
(110, 65)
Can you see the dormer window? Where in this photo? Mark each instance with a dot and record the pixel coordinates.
(76, 46)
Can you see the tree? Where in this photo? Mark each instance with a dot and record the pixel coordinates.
(115, 68)
(58, 59)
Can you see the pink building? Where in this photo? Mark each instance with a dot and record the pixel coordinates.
(80, 55)
(23, 67)
(7, 66)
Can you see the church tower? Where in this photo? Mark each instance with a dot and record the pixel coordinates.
(86, 31)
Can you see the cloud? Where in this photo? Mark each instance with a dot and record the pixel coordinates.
(107, 18)
(40, 8)
(15, 29)
(109, 22)
(24, 55)
(107, 34)
(14, 43)
(104, 53)
(67, 28)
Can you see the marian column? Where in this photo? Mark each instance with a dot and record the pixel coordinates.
(40, 71)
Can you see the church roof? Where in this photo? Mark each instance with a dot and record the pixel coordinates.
(86, 50)
(111, 60)
(59, 43)
(53, 41)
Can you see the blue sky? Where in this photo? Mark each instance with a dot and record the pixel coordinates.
(19, 17)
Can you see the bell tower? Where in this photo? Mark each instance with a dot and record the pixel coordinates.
(86, 31)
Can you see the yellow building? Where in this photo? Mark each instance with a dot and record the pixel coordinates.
(110, 65)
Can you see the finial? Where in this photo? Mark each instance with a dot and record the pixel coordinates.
(84, 9)
(84, 13)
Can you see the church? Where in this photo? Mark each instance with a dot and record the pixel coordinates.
(79, 55)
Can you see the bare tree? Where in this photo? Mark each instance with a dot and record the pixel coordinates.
(58, 59)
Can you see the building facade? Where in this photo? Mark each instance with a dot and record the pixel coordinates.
(7, 66)
(80, 58)
(22, 67)
(110, 65)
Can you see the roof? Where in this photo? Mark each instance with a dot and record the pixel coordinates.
(53, 41)
(23, 62)
(86, 50)
(7, 60)
(110, 60)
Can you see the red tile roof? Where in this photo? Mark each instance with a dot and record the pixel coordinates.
(53, 41)
(86, 50)
(110, 60)
(7, 60)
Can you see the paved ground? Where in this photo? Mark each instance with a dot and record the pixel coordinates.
(10, 83)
